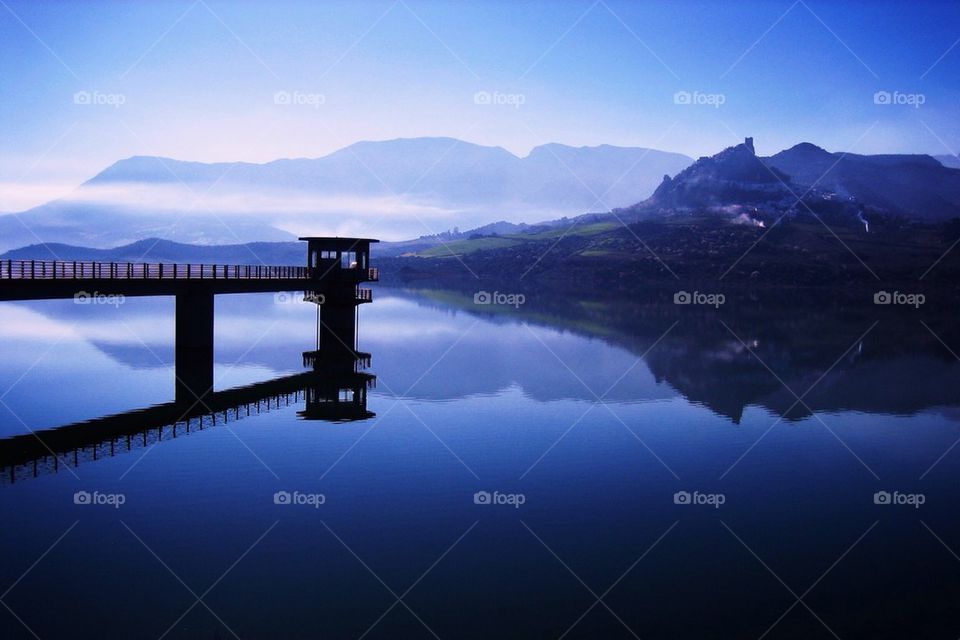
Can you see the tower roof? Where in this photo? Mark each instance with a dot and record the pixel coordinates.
(335, 243)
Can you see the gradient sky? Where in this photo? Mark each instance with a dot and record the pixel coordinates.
(198, 79)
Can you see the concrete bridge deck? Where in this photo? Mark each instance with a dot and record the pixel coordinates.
(57, 279)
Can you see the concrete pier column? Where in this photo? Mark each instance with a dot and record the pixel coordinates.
(194, 346)
(338, 331)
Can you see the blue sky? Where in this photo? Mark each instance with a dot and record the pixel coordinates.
(215, 81)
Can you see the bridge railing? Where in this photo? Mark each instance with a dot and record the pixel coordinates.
(83, 270)
(143, 438)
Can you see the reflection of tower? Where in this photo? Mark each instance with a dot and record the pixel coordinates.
(338, 388)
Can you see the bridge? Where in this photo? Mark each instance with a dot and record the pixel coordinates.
(335, 268)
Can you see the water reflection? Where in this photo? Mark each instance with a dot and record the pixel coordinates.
(337, 389)
(762, 354)
(749, 353)
(493, 399)
(334, 390)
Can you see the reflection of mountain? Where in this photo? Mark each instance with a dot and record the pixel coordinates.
(135, 356)
(713, 368)
(407, 339)
(709, 365)
(800, 339)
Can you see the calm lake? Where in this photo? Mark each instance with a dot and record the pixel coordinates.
(554, 469)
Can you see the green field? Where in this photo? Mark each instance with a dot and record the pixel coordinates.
(463, 247)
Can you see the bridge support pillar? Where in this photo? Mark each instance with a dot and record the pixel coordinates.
(338, 330)
(194, 347)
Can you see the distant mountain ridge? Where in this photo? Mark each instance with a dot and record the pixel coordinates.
(552, 177)
(157, 250)
(917, 186)
(733, 215)
(391, 189)
(737, 182)
(732, 177)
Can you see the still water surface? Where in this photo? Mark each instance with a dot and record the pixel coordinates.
(587, 425)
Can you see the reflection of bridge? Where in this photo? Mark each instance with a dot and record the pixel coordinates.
(335, 269)
(332, 393)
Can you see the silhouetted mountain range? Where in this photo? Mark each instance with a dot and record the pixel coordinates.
(803, 217)
(747, 187)
(733, 177)
(917, 186)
